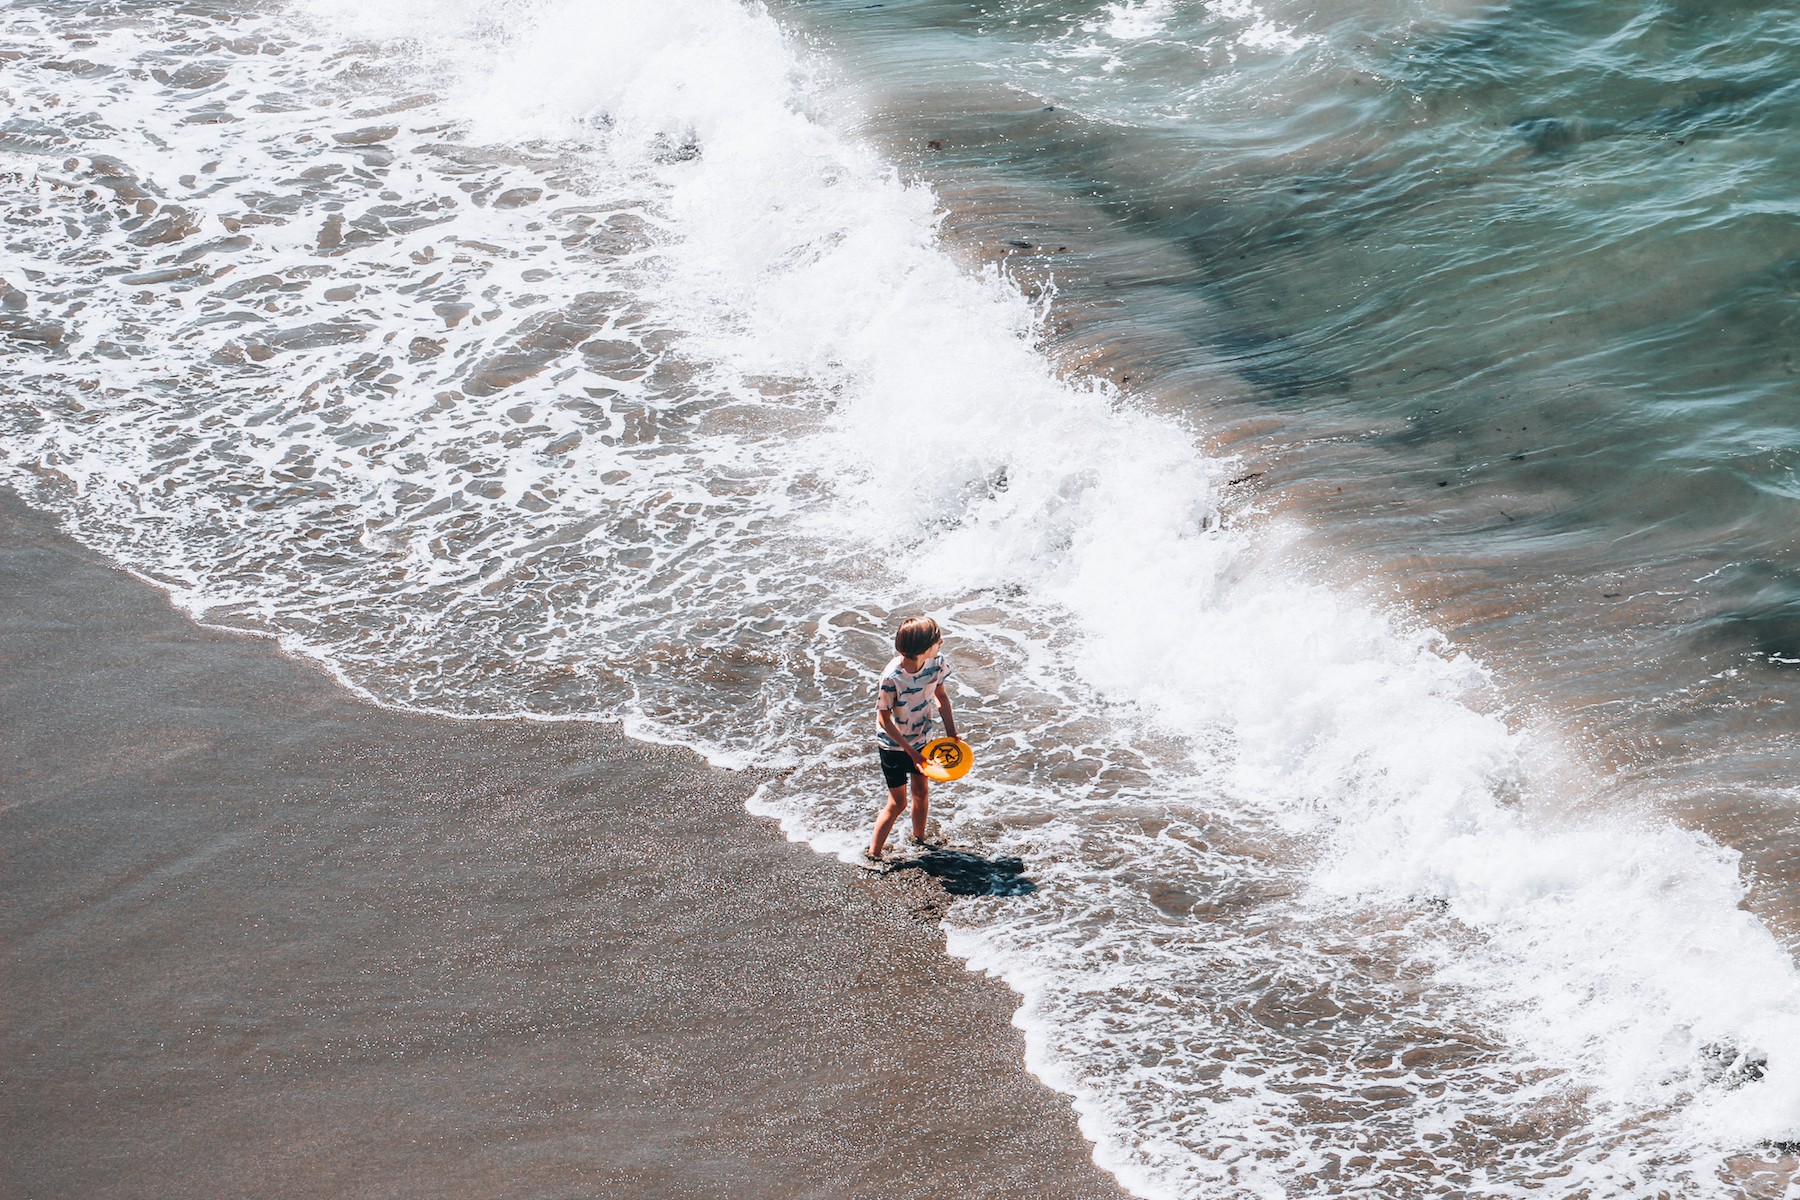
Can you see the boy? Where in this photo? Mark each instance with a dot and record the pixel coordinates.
(911, 689)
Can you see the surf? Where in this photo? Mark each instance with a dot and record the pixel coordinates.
(606, 427)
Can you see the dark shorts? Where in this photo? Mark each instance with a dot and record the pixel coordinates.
(896, 765)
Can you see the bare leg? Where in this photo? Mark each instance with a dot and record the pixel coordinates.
(921, 805)
(884, 824)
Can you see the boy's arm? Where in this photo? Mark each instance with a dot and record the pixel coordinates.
(885, 718)
(943, 699)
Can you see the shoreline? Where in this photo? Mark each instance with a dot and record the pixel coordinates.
(264, 937)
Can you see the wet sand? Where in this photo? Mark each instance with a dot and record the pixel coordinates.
(263, 939)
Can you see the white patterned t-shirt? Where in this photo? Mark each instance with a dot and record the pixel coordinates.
(911, 698)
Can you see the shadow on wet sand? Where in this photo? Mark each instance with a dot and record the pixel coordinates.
(965, 873)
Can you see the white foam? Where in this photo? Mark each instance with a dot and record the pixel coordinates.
(1131, 19)
(1250, 26)
(1235, 788)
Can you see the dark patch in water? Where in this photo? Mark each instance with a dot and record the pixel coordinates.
(1768, 623)
(1776, 635)
(1714, 108)
(1268, 360)
(1550, 135)
(1702, 112)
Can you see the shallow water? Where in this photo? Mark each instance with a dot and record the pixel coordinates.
(1390, 778)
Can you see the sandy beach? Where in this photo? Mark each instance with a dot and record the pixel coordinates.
(263, 939)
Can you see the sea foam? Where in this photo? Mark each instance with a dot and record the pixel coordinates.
(702, 405)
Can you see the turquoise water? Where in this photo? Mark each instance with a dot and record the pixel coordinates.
(1348, 449)
(1504, 298)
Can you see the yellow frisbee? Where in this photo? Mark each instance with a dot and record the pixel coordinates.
(947, 759)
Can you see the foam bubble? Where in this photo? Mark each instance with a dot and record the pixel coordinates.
(586, 371)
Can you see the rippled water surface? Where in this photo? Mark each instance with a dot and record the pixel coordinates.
(1527, 272)
(1351, 449)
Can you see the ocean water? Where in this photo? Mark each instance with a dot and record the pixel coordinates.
(1352, 451)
